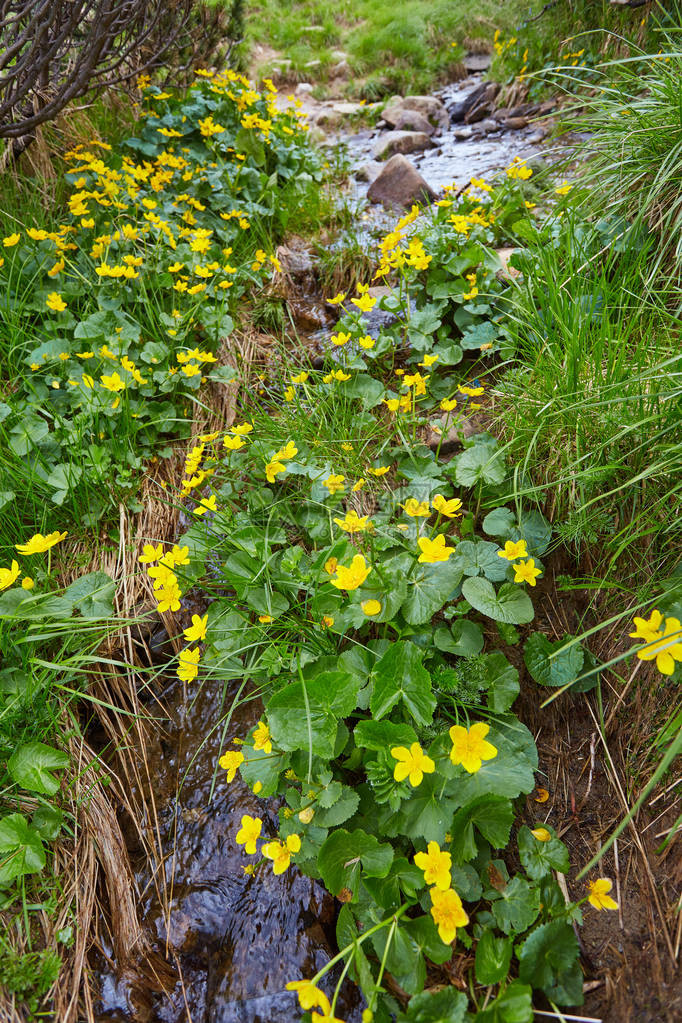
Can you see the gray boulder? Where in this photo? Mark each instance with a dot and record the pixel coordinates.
(430, 108)
(391, 142)
(400, 185)
(412, 120)
(392, 110)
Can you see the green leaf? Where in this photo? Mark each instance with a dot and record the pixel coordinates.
(341, 810)
(262, 767)
(365, 388)
(47, 820)
(510, 604)
(491, 815)
(299, 720)
(540, 858)
(482, 334)
(93, 595)
(430, 588)
(30, 766)
(21, 849)
(480, 557)
(444, 1006)
(503, 682)
(404, 960)
(493, 956)
(345, 854)
(465, 638)
(552, 664)
(514, 1005)
(481, 462)
(548, 960)
(424, 933)
(499, 522)
(382, 735)
(401, 676)
(427, 814)
(517, 906)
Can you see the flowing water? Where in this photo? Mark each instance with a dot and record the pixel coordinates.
(232, 940)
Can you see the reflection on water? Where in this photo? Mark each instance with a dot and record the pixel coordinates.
(233, 940)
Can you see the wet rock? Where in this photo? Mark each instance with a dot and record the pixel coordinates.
(462, 133)
(392, 142)
(430, 108)
(328, 117)
(537, 136)
(392, 110)
(412, 120)
(515, 123)
(477, 61)
(459, 110)
(400, 184)
(348, 109)
(295, 262)
(488, 125)
(308, 315)
(483, 105)
(369, 171)
(304, 88)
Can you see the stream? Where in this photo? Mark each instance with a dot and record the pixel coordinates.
(232, 940)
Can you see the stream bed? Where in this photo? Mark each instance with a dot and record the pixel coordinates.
(232, 940)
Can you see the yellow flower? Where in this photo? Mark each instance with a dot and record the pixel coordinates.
(429, 360)
(337, 299)
(542, 834)
(417, 381)
(367, 342)
(334, 483)
(309, 996)
(416, 509)
(38, 543)
(352, 577)
(188, 665)
(564, 189)
(664, 646)
(365, 303)
(448, 913)
(327, 621)
(448, 404)
(435, 865)
(413, 764)
(526, 572)
(288, 451)
(359, 485)
(233, 443)
(261, 738)
(289, 394)
(168, 598)
(380, 470)
(249, 833)
(471, 392)
(230, 761)
(280, 852)
(11, 240)
(470, 748)
(26, 583)
(433, 551)
(448, 508)
(354, 523)
(197, 630)
(206, 504)
(648, 630)
(542, 796)
(150, 553)
(300, 378)
(371, 608)
(265, 619)
(330, 565)
(242, 429)
(336, 374)
(9, 575)
(513, 549)
(112, 382)
(273, 468)
(599, 894)
(55, 302)
(340, 339)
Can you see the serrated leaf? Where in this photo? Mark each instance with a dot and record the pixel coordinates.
(382, 735)
(510, 604)
(479, 463)
(514, 1005)
(491, 815)
(299, 720)
(430, 588)
(444, 1006)
(346, 855)
(493, 956)
(30, 766)
(480, 557)
(552, 664)
(342, 809)
(503, 682)
(93, 595)
(400, 676)
(499, 522)
(517, 906)
(548, 960)
(540, 858)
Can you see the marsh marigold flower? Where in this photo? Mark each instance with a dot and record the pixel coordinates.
(55, 302)
(448, 913)
(334, 483)
(353, 576)
(354, 523)
(513, 549)
(435, 865)
(188, 665)
(249, 833)
(309, 996)
(197, 630)
(371, 608)
(230, 761)
(526, 572)
(663, 641)
(412, 764)
(261, 738)
(416, 509)
(599, 894)
(280, 852)
(9, 575)
(38, 543)
(433, 551)
(470, 747)
(448, 508)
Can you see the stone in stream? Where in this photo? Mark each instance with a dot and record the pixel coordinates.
(400, 184)
(412, 120)
(392, 109)
(477, 61)
(369, 171)
(430, 108)
(391, 142)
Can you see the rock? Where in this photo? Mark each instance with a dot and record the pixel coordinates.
(477, 61)
(484, 104)
(515, 123)
(458, 111)
(487, 125)
(328, 117)
(347, 109)
(340, 70)
(338, 55)
(400, 184)
(391, 142)
(304, 88)
(392, 110)
(412, 120)
(536, 137)
(313, 64)
(295, 262)
(430, 108)
(369, 171)
(461, 134)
